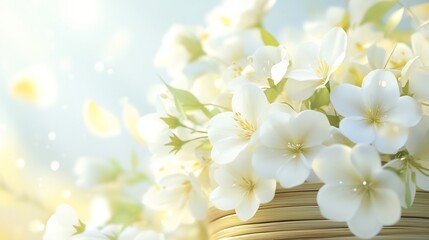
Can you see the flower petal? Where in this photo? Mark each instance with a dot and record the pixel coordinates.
(357, 130)
(303, 75)
(333, 165)
(406, 112)
(226, 198)
(198, 205)
(365, 160)
(250, 101)
(380, 89)
(301, 90)
(267, 162)
(333, 48)
(222, 126)
(274, 132)
(419, 85)
(338, 202)
(311, 127)
(390, 138)
(347, 100)
(247, 208)
(293, 173)
(228, 149)
(364, 223)
(389, 180)
(306, 55)
(387, 206)
(265, 190)
(279, 70)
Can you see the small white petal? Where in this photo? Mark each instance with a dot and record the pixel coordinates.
(274, 132)
(247, 208)
(338, 202)
(357, 130)
(198, 205)
(422, 180)
(390, 138)
(228, 149)
(250, 101)
(226, 198)
(387, 206)
(267, 162)
(265, 190)
(303, 75)
(306, 55)
(222, 126)
(293, 173)
(301, 90)
(380, 89)
(278, 71)
(311, 127)
(389, 180)
(333, 48)
(327, 164)
(365, 160)
(419, 85)
(223, 177)
(406, 112)
(347, 100)
(364, 223)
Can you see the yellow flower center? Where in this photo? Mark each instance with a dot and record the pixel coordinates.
(374, 115)
(295, 149)
(247, 128)
(322, 69)
(246, 184)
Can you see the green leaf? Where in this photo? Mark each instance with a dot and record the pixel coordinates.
(274, 91)
(334, 120)
(319, 99)
(376, 12)
(268, 38)
(186, 102)
(134, 161)
(172, 121)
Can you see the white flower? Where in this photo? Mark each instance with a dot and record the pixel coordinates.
(376, 114)
(240, 188)
(180, 46)
(232, 133)
(270, 62)
(180, 196)
(233, 47)
(314, 64)
(238, 14)
(357, 189)
(420, 45)
(288, 144)
(414, 166)
(61, 224)
(417, 76)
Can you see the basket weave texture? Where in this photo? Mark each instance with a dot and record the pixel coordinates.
(294, 214)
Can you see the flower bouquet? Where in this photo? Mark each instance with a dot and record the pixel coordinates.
(316, 132)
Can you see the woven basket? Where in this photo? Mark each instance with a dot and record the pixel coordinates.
(294, 214)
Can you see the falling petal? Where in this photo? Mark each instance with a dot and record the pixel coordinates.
(99, 120)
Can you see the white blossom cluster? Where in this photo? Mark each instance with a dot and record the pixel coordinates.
(343, 101)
